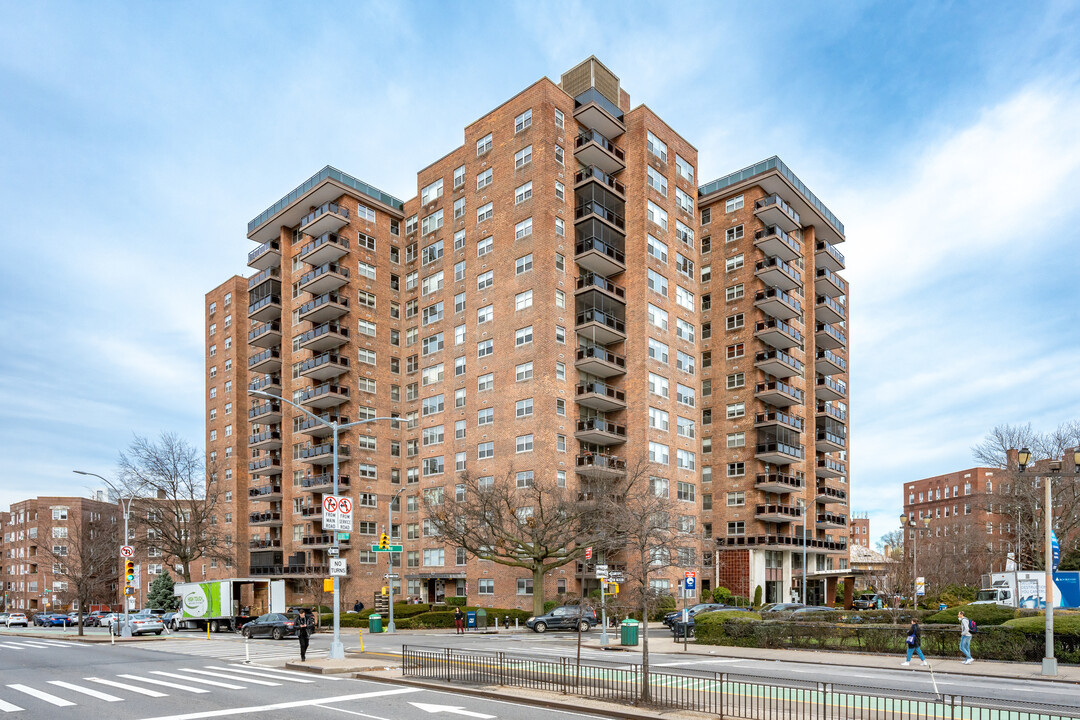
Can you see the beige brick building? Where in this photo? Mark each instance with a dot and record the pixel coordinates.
(542, 306)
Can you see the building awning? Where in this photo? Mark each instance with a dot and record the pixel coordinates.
(436, 576)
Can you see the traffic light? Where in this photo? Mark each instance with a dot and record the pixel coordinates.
(129, 573)
(613, 588)
(385, 590)
(384, 542)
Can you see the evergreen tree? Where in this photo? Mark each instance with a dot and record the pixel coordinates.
(161, 592)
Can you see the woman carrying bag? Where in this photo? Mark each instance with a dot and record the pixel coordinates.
(914, 640)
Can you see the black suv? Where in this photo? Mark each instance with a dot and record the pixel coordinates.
(566, 617)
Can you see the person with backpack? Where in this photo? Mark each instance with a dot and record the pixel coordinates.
(967, 629)
(914, 642)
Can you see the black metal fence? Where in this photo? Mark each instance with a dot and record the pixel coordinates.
(726, 695)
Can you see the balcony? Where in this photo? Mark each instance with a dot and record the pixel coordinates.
(265, 309)
(778, 334)
(312, 571)
(327, 336)
(828, 410)
(268, 440)
(778, 513)
(828, 257)
(323, 279)
(595, 111)
(830, 495)
(828, 337)
(595, 174)
(600, 327)
(328, 306)
(270, 273)
(774, 272)
(309, 426)
(270, 465)
(778, 394)
(327, 248)
(776, 303)
(324, 367)
(328, 217)
(600, 362)
(599, 248)
(778, 453)
(266, 383)
(271, 544)
(827, 467)
(592, 282)
(324, 396)
(265, 362)
(831, 521)
(312, 512)
(265, 493)
(323, 454)
(265, 256)
(827, 362)
(778, 483)
(774, 210)
(324, 483)
(601, 467)
(774, 242)
(828, 441)
(828, 310)
(778, 364)
(781, 542)
(268, 412)
(600, 432)
(324, 540)
(829, 389)
(592, 148)
(600, 396)
(266, 335)
(593, 209)
(778, 418)
(267, 518)
(829, 283)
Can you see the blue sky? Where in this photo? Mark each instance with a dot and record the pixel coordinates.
(139, 138)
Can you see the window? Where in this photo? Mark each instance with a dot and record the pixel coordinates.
(684, 233)
(485, 348)
(433, 313)
(560, 262)
(560, 191)
(686, 204)
(523, 121)
(657, 249)
(734, 263)
(684, 395)
(432, 192)
(524, 443)
(459, 212)
(658, 318)
(658, 385)
(523, 372)
(485, 586)
(459, 303)
(459, 177)
(736, 528)
(684, 362)
(523, 229)
(706, 216)
(523, 300)
(432, 375)
(484, 212)
(432, 405)
(485, 314)
(432, 283)
(656, 181)
(485, 416)
(459, 335)
(560, 119)
(657, 215)
(560, 299)
(684, 265)
(484, 179)
(658, 453)
(658, 419)
(434, 557)
(684, 330)
(433, 436)
(524, 408)
(523, 336)
(684, 459)
(433, 344)
(523, 264)
(483, 144)
(736, 440)
(522, 157)
(559, 158)
(737, 350)
(655, 147)
(657, 283)
(736, 469)
(485, 280)
(459, 398)
(523, 193)
(658, 351)
(736, 380)
(733, 204)
(706, 273)
(485, 382)
(734, 292)
(734, 233)
(485, 451)
(736, 410)
(736, 499)
(560, 371)
(684, 298)
(686, 491)
(684, 169)
(368, 357)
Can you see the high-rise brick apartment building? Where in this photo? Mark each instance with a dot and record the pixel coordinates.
(542, 307)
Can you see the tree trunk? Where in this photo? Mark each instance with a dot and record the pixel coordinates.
(538, 589)
(646, 693)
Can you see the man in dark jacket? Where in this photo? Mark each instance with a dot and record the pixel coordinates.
(914, 640)
(305, 626)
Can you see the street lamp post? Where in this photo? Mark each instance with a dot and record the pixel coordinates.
(390, 561)
(914, 555)
(337, 648)
(1023, 457)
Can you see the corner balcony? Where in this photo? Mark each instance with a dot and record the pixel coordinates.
(324, 396)
(828, 410)
(828, 256)
(778, 453)
(595, 111)
(779, 483)
(831, 521)
(828, 310)
(267, 440)
(596, 175)
(600, 327)
(327, 366)
(595, 210)
(323, 454)
(774, 242)
(598, 248)
(774, 210)
(592, 148)
(301, 571)
(265, 466)
(266, 383)
(265, 309)
(781, 542)
(827, 282)
(778, 394)
(266, 519)
(778, 334)
(600, 362)
(324, 483)
(830, 495)
(310, 426)
(328, 217)
(827, 467)
(268, 413)
(324, 278)
(601, 467)
(778, 513)
(600, 432)
(828, 337)
(591, 282)
(267, 335)
(324, 337)
(778, 364)
(829, 442)
(265, 544)
(271, 273)
(827, 362)
(312, 512)
(327, 248)
(265, 362)
(774, 272)
(265, 256)
(829, 389)
(600, 396)
(265, 493)
(776, 303)
(328, 306)
(320, 542)
(778, 418)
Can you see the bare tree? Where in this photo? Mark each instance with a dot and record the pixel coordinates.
(86, 559)
(177, 503)
(993, 450)
(518, 521)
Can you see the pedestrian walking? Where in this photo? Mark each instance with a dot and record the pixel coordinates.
(914, 642)
(459, 621)
(358, 607)
(965, 638)
(306, 623)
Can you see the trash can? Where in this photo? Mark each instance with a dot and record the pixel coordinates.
(481, 619)
(470, 620)
(375, 623)
(629, 632)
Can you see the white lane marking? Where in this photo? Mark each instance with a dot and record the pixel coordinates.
(352, 712)
(286, 705)
(696, 662)
(35, 644)
(247, 671)
(275, 672)
(13, 645)
(235, 678)
(8, 707)
(57, 643)
(122, 686)
(164, 683)
(40, 695)
(86, 691)
(188, 678)
(451, 709)
(572, 713)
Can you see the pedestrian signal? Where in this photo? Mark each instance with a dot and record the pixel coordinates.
(613, 588)
(384, 542)
(385, 590)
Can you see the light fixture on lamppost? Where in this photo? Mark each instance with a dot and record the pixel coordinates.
(1023, 457)
(337, 648)
(904, 522)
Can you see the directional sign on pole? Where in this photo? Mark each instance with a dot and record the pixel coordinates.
(127, 551)
(337, 566)
(601, 571)
(337, 514)
(332, 551)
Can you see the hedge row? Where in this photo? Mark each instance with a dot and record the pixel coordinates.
(424, 619)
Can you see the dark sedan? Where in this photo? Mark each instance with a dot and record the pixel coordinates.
(680, 629)
(273, 625)
(672, 617)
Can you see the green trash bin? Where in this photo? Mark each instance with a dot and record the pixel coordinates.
(629, 632)
(375, 623)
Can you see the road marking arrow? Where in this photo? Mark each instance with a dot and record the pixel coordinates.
(450, 709)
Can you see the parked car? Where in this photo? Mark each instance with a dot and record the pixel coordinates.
(275, 625)
(869, 601)
(16, 619)
(804, 612)
(94, 618)
(143, 624)
(55, 620)
(156, 612)
(680, 629)
(108, 619)
(566, 617)
(672, 617)
(781, 607)
(4, 617)
(170, 619)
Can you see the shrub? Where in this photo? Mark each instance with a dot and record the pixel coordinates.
(1066, 633)
(757, 596)
(663, 606)
(445, 618)
(550, 605)
(721, 595)
(404, 610)
(456, 601)
(727, 627)
(981, 614)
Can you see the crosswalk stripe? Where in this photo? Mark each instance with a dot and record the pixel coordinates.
(230, 677)
(8, 707)
(86, 691)
(13, 645)
(41, 695)
(35, 644)
(164, 683)
(57, 643)
(212, 683)
(260, 673)
(122, 686)
(274, 672)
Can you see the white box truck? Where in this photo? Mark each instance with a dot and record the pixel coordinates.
(1027, 589)
(227, 604)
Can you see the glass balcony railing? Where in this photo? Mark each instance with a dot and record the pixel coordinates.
(324, 299)
(324, 329)
(322, 390)
(327, 358)
(264, 329)
(325, 239)
(832, 357)
(325, 208)
(591, 280)
(262, 250)
(266, 274)
(833, 278)
(766, 325)
(595, 315)
(779, 447)
(780, 203)
(271, 354)
(592, 95)
(783, 418)
(832, 332)
(263, 302)
(594, 243)
(593, 207)
(600, 425)
(777, 386)
(600, 353)
(775, 262)
(324, 269)
(823, 246)
(779, 356)
(598, 174)
(778, 294)
(599, 388)
(592, 136)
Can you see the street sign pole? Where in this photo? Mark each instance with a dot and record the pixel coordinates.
(337, 648)
(603, 615)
